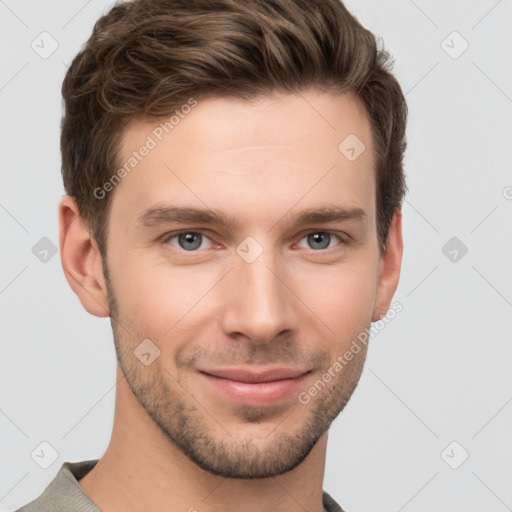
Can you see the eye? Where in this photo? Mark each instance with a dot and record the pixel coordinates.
(188, 240)
(320, 240)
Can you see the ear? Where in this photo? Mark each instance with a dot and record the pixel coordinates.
(390, 264)
(81, 259)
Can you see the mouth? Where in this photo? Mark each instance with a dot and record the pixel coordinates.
(264, 387)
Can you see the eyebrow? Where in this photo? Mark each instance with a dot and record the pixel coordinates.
(159, 215)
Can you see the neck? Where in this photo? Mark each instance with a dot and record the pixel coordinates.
(142, 470)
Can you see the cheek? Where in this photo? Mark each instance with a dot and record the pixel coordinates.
(152, 297)
(167, 303)
(342, 296)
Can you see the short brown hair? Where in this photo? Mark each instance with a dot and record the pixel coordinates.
(146, 58)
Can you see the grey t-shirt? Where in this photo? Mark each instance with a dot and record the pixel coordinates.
(64, 493)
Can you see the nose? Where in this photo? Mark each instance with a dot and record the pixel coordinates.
(258, 305)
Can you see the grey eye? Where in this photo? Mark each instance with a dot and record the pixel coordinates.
(319, 240)
(190, 241)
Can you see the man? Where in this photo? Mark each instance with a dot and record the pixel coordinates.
(234, 181)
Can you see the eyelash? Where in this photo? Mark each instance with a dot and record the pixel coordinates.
(170, 236)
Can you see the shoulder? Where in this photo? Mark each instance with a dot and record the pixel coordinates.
(330, 504)
(64, 493)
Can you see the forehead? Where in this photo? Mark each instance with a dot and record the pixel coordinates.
(266, 120)
(270, 153)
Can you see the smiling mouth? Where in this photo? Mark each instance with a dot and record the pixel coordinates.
(255, 388)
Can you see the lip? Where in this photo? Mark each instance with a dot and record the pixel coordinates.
(264, 387)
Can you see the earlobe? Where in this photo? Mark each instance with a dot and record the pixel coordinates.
(81, 260)
(390, 265)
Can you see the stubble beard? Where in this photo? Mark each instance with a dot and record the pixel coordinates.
(203, 439)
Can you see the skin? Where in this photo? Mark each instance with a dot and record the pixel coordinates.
(177, 442)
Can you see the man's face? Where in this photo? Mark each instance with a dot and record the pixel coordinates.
(259, 299)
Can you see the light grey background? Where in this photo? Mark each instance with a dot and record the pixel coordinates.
(438, 373)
